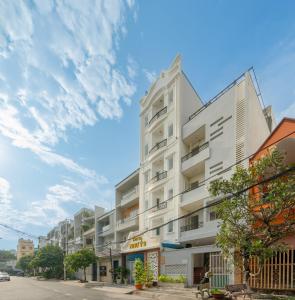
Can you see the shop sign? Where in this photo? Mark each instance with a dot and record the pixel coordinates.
(137, 242)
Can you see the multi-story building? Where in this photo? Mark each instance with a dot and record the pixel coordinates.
(24, 247)
(42, 241)
(83, 220)
(127, 217)
(184, 142)
(106, 248)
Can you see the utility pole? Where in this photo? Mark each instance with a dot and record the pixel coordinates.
(111, 261)
(66, 250)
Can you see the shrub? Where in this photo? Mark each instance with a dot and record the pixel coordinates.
(172, 279)
(139, 273)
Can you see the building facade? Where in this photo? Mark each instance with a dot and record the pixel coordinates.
(24, 247)
(278, 272)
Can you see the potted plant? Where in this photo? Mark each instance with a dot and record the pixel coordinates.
(149, 276)
(124, 274)
(217, 294)
(139, 274)
(118, 272)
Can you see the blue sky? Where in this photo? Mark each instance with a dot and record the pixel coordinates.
(72, 74)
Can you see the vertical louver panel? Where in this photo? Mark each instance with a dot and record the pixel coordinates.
(240, 130)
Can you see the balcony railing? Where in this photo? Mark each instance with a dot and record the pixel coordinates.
(193, 186)
(195, 152)
(128, 194)
(160, 206)
(158, 115)
(191, 226)
(159, 176)
(159, 145)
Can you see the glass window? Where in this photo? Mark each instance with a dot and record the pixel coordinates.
(146, 204)
(146, 177)
(146, 149)
(146, 120)
(158, 231)
(170, 226)
(170, 193)
(170, 97)
(170, 163)
(170, 130)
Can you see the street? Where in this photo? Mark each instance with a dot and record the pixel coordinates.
(23, 288)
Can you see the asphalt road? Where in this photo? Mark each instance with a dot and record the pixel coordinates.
(22, 288)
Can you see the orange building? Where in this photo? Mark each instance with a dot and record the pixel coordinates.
(278, 273)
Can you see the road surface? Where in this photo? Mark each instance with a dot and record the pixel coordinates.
(23, 288)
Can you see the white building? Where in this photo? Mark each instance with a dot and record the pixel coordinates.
(183, 143)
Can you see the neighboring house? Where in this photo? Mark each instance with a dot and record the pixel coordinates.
(127, 218)
(279, 272)
(24, 247)
(106, 248)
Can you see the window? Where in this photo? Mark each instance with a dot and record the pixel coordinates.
(170, 226)
(146, 177)
(170, 163)
(146, 149)
(158, 231)
(146, 120)
(170, 97)
(146, 204)
(170, 130)
(170, 193)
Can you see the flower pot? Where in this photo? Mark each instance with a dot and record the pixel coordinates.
(138, 286)
(218, 296)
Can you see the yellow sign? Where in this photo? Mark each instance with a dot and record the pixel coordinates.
(137, 242)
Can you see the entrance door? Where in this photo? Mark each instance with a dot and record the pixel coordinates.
(94, 272)
(130, 266)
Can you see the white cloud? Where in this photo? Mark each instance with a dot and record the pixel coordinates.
(58, 71)
(150, 75)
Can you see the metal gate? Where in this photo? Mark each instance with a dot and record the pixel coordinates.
(220, 269)
(277, 273)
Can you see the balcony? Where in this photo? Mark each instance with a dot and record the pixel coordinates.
(127, 223)
(158, 145)
(192, 161)
(159, 176)
(199, 230)
(192, 196)
(130, 196)
(106, 230)
(158, 115)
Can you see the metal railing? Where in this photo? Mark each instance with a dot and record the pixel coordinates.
(128, 194)
(195, 152)
(191, 226)
(159, 176)
(159, 145)
(158, 115)
(216, 97)
(193, 186)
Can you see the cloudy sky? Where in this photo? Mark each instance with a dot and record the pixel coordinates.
(72, 73)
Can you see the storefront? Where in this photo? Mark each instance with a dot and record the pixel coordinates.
(143, 247)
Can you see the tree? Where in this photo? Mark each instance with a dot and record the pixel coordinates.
(24, 263)
(50, 260)
(80, 260)
(6, 255)
(139, 272)
(255, 221)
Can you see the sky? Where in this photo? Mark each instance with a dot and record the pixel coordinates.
(71, 76)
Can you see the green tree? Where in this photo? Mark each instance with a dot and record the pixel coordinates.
(254, 221)
(139, 272)
(6, 255)
(50, 260)
(80, 260)
(24, 263)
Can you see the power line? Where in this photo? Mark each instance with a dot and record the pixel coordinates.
(19, 231)
(202, 183)
(214, 203)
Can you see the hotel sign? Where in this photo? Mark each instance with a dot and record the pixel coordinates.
(137, 242)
